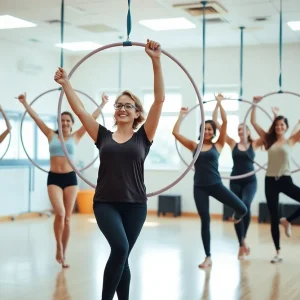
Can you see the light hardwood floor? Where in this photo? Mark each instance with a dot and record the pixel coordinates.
(163, 263)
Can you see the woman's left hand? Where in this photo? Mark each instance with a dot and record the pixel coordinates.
(153, 49)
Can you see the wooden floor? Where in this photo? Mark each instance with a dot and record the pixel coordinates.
(163, 263)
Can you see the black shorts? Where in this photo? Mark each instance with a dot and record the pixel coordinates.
(62, 180)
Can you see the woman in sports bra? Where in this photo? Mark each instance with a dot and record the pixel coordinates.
(207, 179)
(278, 177)
(62, 180)
(8, 126)
(243, 156)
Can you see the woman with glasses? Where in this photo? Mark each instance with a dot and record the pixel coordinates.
(8, 126)
(62, 180)
(120, 197)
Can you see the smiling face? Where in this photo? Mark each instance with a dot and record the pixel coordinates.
(241, 132)
(128, 110)
(210, 130)
(67, 123)
(125, 110)
(280, 127)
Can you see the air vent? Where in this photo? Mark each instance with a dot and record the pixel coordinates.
(33, 40)
(98, 28)
(216, 21)
(260, 19)
(51, 22)
(197, 9)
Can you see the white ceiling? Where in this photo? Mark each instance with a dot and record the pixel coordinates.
(113, 13)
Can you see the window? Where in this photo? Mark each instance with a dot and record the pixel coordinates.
(35, 142)
(231, 108)
(163, 154)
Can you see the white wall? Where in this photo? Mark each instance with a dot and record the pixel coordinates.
(261, 70)
(101, 73)
(31, 70)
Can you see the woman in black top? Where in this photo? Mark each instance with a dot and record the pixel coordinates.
(120, 197)
(207, 179)
(245, 188)
(8, 126)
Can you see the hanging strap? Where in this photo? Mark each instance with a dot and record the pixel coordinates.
(62, 22)
(203, 47)
(129, 24)
(241, 62)
(120, 66)
(280, 50)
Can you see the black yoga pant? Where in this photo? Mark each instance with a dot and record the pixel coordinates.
(273, 187)
(246, 192)
(121, 224)
(222, 194)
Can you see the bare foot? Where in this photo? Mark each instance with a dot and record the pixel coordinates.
(207, 263)
(247, 250)
(241, 254)
(64, 265)
(287, 226)
(59, 255)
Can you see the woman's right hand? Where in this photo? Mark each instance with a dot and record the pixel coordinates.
(22, 98)
(257, 99)
(183, 111)
(61, 76)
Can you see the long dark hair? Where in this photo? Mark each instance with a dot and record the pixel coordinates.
(68, 114)
(249, 138)
(271, 136)
(213, 125)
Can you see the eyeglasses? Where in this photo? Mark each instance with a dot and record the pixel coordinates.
(127, 106)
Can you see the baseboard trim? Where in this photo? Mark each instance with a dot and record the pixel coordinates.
(150, 212)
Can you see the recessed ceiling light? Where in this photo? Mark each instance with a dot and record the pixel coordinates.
(79, 46)
(9, 22)
(294, 25)
(168, 24)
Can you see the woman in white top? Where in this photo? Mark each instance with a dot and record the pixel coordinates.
(278, 177)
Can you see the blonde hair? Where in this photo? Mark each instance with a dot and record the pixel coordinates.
(138, 105)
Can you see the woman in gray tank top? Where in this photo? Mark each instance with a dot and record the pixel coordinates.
(278, 177)
(207, 180)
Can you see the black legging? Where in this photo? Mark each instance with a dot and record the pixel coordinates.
(222, 194)
(273, 187)
(121, 224)
(246, 192)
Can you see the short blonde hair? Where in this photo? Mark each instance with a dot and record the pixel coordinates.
(138, 105)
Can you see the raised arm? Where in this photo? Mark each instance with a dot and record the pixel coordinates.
(153, 50)
(222, 137)
(295, 136)
(231, 142)
(77, 135)
(8, 126)
(275, 111)
(296, 128)
(48, 132)
(191, 145)
(86, 119)
(257, 127)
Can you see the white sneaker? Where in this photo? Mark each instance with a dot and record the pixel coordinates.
(287, 227)
(276, 259)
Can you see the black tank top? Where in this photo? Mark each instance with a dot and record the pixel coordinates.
(243, 162)
(206, 168)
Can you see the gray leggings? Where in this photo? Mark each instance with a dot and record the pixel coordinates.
(222, 194)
